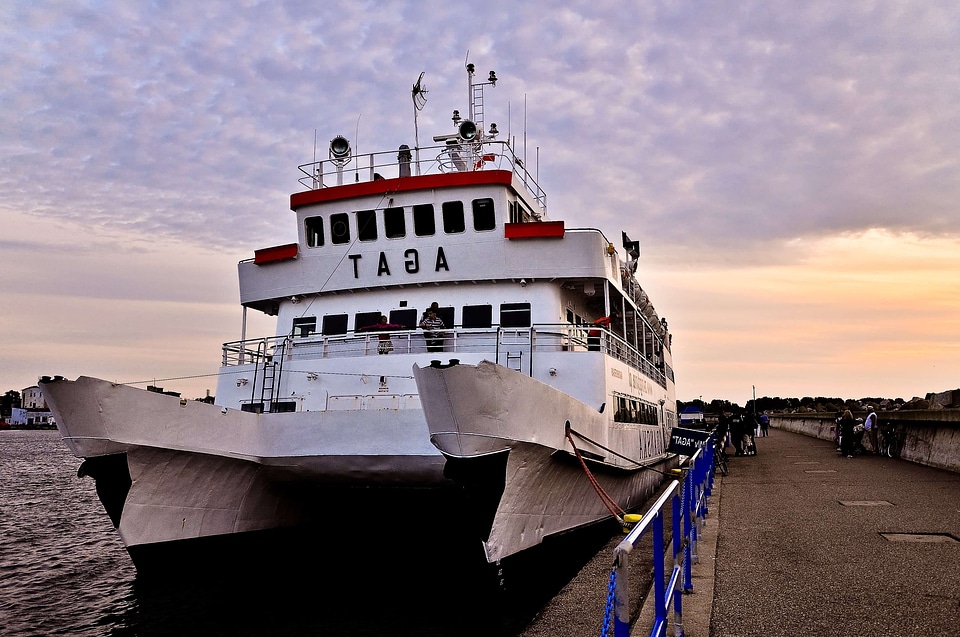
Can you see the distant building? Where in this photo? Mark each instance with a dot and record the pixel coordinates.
(691, 416)
(32, 398)
(33, 412)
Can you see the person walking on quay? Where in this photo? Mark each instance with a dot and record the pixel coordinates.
(764, 424)
(847, 424)
(872, 429)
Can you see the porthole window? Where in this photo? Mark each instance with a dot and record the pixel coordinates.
(340, 228)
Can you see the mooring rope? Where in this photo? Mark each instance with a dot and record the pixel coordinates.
(639, 464)
(608, 501)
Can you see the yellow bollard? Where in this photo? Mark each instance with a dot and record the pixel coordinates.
(630, 520)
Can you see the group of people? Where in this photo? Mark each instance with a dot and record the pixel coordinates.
(743, 429)
(850, 431)
(430, 323)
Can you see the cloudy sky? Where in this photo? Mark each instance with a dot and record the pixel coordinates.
(790, 168)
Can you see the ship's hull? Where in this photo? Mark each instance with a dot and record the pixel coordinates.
(538, 487)
(174, 473)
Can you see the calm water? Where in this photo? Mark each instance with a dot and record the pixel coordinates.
(64, 571)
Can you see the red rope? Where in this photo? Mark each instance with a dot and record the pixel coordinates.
(604, 496)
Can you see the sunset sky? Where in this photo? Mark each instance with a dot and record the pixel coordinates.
(790, 169)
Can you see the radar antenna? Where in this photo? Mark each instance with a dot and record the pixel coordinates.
(419, 95)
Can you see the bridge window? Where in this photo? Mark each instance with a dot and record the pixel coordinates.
(367, 225)
(340, 228)
(394, 223)
(453, 217)
(477, 315)
(334, 324)
(313, 230)
(515, 315)
(484, 217)
(304, 326)
(424, 223)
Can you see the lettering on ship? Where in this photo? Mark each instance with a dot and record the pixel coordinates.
(411, 263)
(640, 383)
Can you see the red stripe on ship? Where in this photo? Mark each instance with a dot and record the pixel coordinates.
(402, 184)
(276, 253)
(549, 229)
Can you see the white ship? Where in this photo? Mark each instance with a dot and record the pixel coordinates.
(518, 413)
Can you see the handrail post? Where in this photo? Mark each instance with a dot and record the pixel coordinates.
(659, 585)
(621, 615)
(688, 512)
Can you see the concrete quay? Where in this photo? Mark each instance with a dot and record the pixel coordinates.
(800, 541)
(811, 543)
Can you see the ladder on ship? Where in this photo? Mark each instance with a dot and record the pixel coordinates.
(269, 382)
(478, 107)
(272, 370)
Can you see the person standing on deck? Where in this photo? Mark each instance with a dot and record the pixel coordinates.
(431, 325)
(385, 346)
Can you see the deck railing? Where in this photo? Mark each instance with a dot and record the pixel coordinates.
(456, 156)
(494, 341)
(688, 504)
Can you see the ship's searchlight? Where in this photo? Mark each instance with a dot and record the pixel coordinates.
(340, 149)
(467, 130)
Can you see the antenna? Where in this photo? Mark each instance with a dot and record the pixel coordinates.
(419, 95)
(316, 168)
(356, 140)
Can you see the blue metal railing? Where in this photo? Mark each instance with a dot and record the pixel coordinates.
(689, 509)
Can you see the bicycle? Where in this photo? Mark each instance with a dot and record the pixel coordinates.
(889, 442)
(719, 459)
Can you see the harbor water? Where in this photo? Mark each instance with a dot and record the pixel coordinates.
(64, 571)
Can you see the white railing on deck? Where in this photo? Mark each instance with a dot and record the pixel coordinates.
(495, 341)
(444, 158)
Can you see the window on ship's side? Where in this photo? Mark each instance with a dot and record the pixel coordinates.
(367, 225)
(406, 318)
(477, 315)
(340, 228)
(304, 326)
(313, 231)
(394, 223)
(365, 319)
(515, 315)
(424, 223)
(334, 324)
(452, 217)
(484, 216)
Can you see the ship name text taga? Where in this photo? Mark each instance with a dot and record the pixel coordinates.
(411, 263)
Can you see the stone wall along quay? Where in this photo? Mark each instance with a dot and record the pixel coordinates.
(929, 437)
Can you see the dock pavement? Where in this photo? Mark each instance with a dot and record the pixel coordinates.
(800, 541)
(803, 541)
